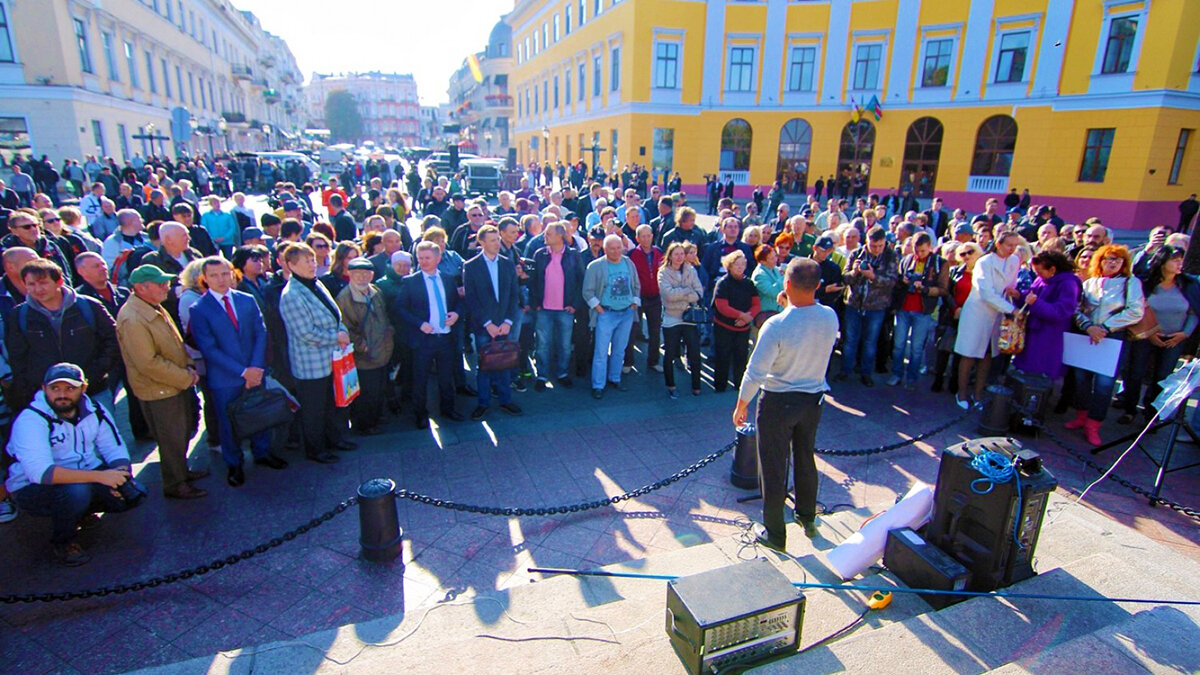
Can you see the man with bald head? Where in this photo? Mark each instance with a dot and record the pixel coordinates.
(392, 242)
(14, 287)
(173, 254)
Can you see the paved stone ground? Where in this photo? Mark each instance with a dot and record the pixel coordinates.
(566, 448)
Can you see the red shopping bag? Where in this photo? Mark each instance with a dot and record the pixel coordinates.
(345, 377)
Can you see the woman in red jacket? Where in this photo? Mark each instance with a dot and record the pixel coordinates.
(736, 301)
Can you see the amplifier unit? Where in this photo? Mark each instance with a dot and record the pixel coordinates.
(993, 534)
(735, 615)
(920, 564)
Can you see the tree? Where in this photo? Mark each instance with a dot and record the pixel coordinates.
(342, 116)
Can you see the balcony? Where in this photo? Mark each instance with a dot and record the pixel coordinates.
(260, 82)
(241, 72)
(997, 185)
(498, 101)
(234, 117)
(271, 96)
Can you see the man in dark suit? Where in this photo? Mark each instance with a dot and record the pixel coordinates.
(939, 220)
(493, 305)
(229, 332)
(427, 306)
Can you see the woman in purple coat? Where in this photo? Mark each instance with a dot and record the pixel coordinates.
(1051, 302)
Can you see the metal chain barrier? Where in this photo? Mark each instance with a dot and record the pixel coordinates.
(894, 446)
(154, 582)
(402, 493)
(1154, 501)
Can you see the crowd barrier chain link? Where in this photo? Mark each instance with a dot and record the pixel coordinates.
(1137, 489)
(402, 493)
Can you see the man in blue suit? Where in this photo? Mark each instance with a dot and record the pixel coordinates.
(427, 305)
(229, 332)
(493, 306)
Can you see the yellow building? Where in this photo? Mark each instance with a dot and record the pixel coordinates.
(1092, 105)
(84, 78)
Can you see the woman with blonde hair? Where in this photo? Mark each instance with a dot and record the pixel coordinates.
(1112, 300)
(679, 286)
(753, 236)
(993, 289)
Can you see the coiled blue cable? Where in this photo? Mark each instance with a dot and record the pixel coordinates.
(997, 468)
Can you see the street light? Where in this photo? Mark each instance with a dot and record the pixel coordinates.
(487, 137)
(267, 132)
(223, 127)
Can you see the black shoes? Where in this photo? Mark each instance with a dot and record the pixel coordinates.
(511, 408)
(71, 554)
(597, 394)
(421, 422)
(867, 381)
(325, 458)
(479, 413)
(346, 446)
(272, 462)
(466, 390)
(237, 476)
(810, 526)
(454, 416)
(761, 537)
(565, 381)
(539, 385)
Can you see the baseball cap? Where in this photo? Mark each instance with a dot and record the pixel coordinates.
(252, 233)
(570, 215)
(823, 243)
(149, 273)
(963, 228)
(269, 219)
(806, 212)
(291, 205)
(596, 232)
(360, 264)
(65, 372)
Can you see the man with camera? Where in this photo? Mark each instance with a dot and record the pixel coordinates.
(69, 461)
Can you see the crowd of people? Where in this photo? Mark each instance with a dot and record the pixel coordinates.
(181, 301)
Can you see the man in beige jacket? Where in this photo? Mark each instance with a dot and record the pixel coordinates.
(162, 377)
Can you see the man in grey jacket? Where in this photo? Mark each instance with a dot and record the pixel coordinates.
(613, 292)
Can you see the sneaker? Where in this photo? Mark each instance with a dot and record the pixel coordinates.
(963, 403)
(71, 554)
(8, 510)
(893, 380)
(673, 394)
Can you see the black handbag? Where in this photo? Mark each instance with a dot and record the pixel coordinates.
(499, 355)
(258, 409)
(694, 314)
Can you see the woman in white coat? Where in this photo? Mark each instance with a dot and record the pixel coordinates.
(993, 286)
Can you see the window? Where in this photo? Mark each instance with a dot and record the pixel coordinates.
(866, 66)
(192, 86)
(614, 79)
(520, 107)
(528, 108)
(922, 150)
(131, 62)
(567, 87)
(537, 42)
(582, 11)
(596, 76)
(1095, 155)
(582, 80)
(170, 14)
(613, 148)
(735, 145)
(567, 20)
(795, 145)
(666, 65)
(16, 138)
(1010, 66)
(598, 7)
(166, 71)
(98, 138)
(545, 36)
(110, 57)
(801, 65)
(1177, 160)
(520, 53)
(663, 152)
(1119, 47)
(740, 76)
(6, 47)
(556, 92)
(123, 137)
(556, 28)
(856, 150)
(935, 72)
(535, 99)
(150, 73)
(528, 53)
(179, 81)
(81, 41)
(203, 99)
(994, 146)
(546, 95)
(212, 100)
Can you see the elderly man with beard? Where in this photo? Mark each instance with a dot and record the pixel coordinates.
(69, 461)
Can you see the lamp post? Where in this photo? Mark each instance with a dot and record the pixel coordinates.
(267, 132)
(223, 127)
(487, 138)
(195, 125)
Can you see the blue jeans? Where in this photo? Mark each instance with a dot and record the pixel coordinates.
(231, 449)
(918, 324)
(612, 337)
(862, 329)
(65, 504)
(553, 335)
(501, 379)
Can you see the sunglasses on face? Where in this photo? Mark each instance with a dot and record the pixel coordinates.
(320, 245)
(29, 226)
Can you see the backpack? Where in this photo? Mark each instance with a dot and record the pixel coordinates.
(125, 263)
(100, 415)
(85, 308)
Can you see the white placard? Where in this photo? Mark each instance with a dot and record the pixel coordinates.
(1078, 351)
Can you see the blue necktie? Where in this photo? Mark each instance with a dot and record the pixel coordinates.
(441, 302)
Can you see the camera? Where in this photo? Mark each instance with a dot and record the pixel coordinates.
(132, 492)
(528, 266)
(863, 265)
(914, 277)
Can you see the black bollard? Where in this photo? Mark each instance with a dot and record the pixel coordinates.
(997, 410)
(379, 525)
(744, 473)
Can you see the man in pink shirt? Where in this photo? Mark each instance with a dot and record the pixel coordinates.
(555, 292)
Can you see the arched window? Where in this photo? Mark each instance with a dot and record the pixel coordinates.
(922, 148)
(854, 158)
(994, 145)
(735, 145)
(795, 143)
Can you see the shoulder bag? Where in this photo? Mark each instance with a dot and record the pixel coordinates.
(1143, 327)
(499, 355)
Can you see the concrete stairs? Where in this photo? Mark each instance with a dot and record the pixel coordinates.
(605, 625)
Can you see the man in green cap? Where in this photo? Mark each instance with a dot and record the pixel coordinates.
(162, 377)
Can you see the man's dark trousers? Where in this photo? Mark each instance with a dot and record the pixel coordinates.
(787, 422)
(66, 503)
(431, 350)
(321, 421)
